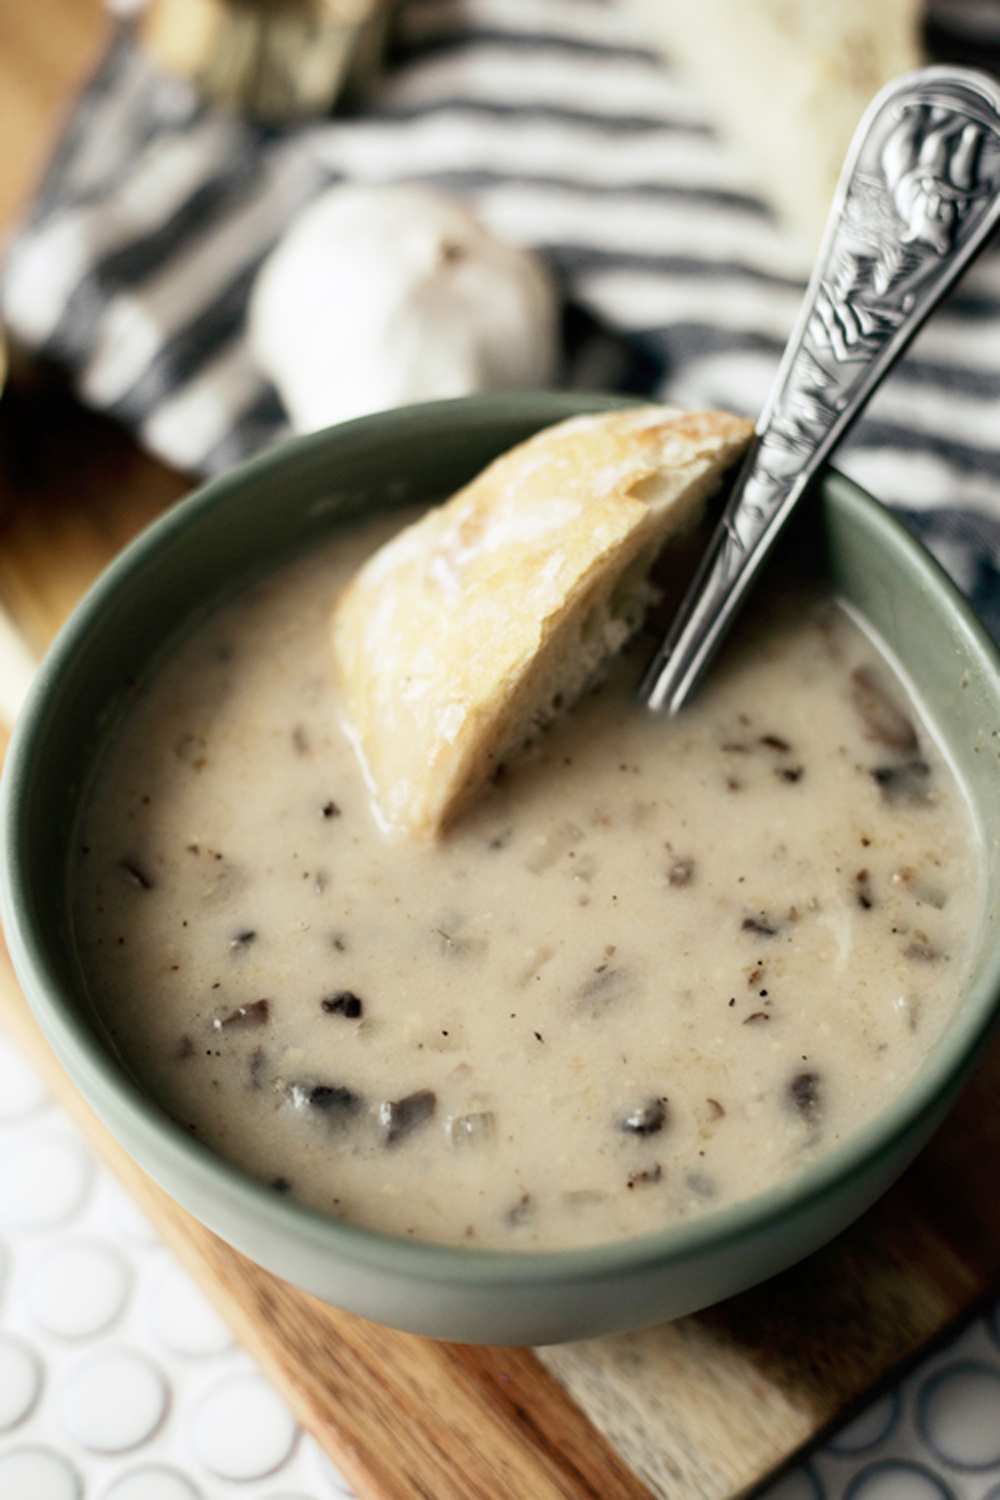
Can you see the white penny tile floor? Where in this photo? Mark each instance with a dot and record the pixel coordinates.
(937, 1437)
(119, 1380)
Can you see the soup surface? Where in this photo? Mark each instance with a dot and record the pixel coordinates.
(661, 965)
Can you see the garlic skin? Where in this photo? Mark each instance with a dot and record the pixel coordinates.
(383, 296)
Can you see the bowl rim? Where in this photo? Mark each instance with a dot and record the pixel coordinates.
(117, 1099)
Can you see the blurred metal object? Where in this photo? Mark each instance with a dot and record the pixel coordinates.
(276, 60)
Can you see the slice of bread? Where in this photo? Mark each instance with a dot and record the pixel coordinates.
(463, 636)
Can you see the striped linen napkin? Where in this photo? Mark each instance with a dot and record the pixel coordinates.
(566, 133)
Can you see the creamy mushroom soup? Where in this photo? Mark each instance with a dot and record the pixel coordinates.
(660, 966)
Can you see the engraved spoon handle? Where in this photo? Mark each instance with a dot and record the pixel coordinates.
(917, 199)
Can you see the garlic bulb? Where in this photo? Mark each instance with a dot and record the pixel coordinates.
(382, 296)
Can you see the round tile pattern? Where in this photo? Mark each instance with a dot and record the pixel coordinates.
(120, 1381)
(153, 1484)
(958, 1412)
(115, 1401)
(38, 1474)
(44, 1180)
(20, 1381)
(182, 1318)
(867, 1430)
(891, 1479)
(78, 1288)
(118, 1378)
(21, 1090)
(242, 1429)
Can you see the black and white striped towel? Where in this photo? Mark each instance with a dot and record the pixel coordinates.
(561, 128)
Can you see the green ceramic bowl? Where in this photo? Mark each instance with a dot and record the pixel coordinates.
(284, 502)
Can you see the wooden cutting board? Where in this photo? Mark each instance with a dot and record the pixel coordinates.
(709, 1406)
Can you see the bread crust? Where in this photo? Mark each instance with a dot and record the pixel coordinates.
(459, 638)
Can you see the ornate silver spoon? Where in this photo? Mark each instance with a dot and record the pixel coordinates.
(918, 198)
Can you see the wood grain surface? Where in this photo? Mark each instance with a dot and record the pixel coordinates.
(47, 48)
(709, 1406)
